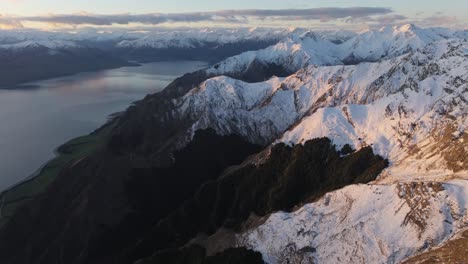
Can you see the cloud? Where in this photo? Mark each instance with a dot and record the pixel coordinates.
(354, 18)
(441, 20)
(101, 20)
(379, 21)
(329, 13)
(9, 23)
(227, 16)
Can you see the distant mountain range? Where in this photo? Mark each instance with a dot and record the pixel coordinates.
(324, 147)
(34, 55)
(29, 61)
(27, 51)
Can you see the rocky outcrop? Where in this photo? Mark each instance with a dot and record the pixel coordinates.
(454, 251)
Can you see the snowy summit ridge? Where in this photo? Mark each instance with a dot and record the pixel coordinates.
(403, 91)
(422, 71)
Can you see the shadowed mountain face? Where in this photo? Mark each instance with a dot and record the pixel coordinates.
(290, 177)
(103, 195)
(104, 204)
(197, 255)
(146, 127)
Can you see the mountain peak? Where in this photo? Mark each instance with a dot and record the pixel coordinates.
(398, 28)
(408, 28)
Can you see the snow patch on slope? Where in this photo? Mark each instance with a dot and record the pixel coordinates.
(300, 50)
(410, 108)
(50, 44)
(397, 109)
(364, 224)
(394, 105)
(191, 38)
(255, 111)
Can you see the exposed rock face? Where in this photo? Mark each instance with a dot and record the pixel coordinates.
(454, 251)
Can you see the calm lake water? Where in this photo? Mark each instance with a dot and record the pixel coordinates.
(36, 121)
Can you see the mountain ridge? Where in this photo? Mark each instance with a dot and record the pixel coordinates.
(408, 106)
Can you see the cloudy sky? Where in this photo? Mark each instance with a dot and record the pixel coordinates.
(326, 14)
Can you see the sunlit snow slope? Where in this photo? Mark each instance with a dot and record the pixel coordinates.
(401, 90)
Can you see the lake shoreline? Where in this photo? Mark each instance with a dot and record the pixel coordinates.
(107, 93)
(35, 184)
(31, 84)
(25, 84)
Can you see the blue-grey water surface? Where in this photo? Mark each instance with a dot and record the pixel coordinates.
(35, 121)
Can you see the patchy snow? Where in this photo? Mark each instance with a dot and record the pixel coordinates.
(393, 106)
(410, 106)
(399, 106)
(391, 41)
(364, 224)
(50, 44)
(309, 48)
(191, 38)
(255, 111)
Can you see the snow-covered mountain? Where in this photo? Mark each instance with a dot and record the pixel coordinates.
(49, 44)
(298, 47)
(85, 50)
(210, 44)
(364, 224)
(355, 152)
(310, 48)
(155, 38)
(410, 106)
(190, 38)
(402, 107)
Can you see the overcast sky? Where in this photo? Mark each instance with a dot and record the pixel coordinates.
(326, 14)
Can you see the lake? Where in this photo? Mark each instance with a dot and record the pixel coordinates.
(35, 121)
